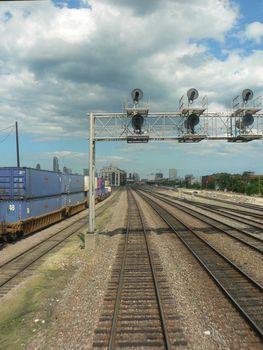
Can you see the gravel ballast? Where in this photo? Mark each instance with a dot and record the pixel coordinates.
(75, 317)
(208, 319)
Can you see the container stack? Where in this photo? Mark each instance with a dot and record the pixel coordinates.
(27, 192)
(72, 189)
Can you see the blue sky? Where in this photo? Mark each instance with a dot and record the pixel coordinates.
(61, 59)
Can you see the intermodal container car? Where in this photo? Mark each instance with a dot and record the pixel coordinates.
(86, 183)
(100, 183)
(72, 198)
(27, 183)
(72, 183)
(17, 210)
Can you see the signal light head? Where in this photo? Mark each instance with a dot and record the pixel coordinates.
(191, 122)
(245, 121)
(192, 95)
(136, 95)
(137, 123)
(247, 95)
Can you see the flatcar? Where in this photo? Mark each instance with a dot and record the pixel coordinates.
(31, 199)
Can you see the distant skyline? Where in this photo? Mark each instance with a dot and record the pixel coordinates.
(61, 59)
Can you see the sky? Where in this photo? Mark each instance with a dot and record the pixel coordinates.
(59, 60)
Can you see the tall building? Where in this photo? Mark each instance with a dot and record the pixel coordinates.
(136, 177)
(55, 164)
(38, 166)
(114, 175)
(65, 170)
(172, 174)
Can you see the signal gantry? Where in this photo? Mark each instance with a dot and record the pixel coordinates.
(191, 122)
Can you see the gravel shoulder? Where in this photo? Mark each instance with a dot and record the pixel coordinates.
(74, 319)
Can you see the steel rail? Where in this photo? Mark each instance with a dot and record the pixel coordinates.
(157, 290)
(223, 269)
(244, 205)
(253, 217)
(217, 206)
(120, 285)
(229, 213)
(121, 280)
(257, 218)
(41, 244)
(53, 235)
(36, 258)
(246, 238)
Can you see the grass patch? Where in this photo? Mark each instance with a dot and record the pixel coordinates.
(28, 310)
(106, 214)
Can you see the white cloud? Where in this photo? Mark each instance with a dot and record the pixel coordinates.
(114, 160)
(59, 63)
(254, 32)
(64, 154)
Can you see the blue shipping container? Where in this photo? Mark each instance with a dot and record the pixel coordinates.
(72, 198)
(72, 183)
(27, 183)
(16, 210)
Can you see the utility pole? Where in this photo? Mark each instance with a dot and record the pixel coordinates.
(17, 147)
(91, 173)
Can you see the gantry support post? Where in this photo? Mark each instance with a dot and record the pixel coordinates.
(91, 173)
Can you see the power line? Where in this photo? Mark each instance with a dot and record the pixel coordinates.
(11, 126)
(7, 136)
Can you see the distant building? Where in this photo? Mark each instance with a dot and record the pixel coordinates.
(38, 166)
(151, 177)
(114, 175)
(172, 174)
(133, 177)
(207, 180)
(158, 176)
(65, 170)
(85, 172)
(190, 179)
(55, 164)
(136, 177)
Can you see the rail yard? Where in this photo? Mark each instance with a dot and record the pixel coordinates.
(131, 177)
(166, 269)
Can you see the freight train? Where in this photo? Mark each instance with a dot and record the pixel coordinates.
(31, 199)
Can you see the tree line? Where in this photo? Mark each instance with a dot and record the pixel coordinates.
(240, 183)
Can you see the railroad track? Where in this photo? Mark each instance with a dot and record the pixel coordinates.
(244, 205)
(241, 216)
(138, 310)
(245, 293)
(13, 271)
(228, 213)
(240, 235)
(234, 211)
